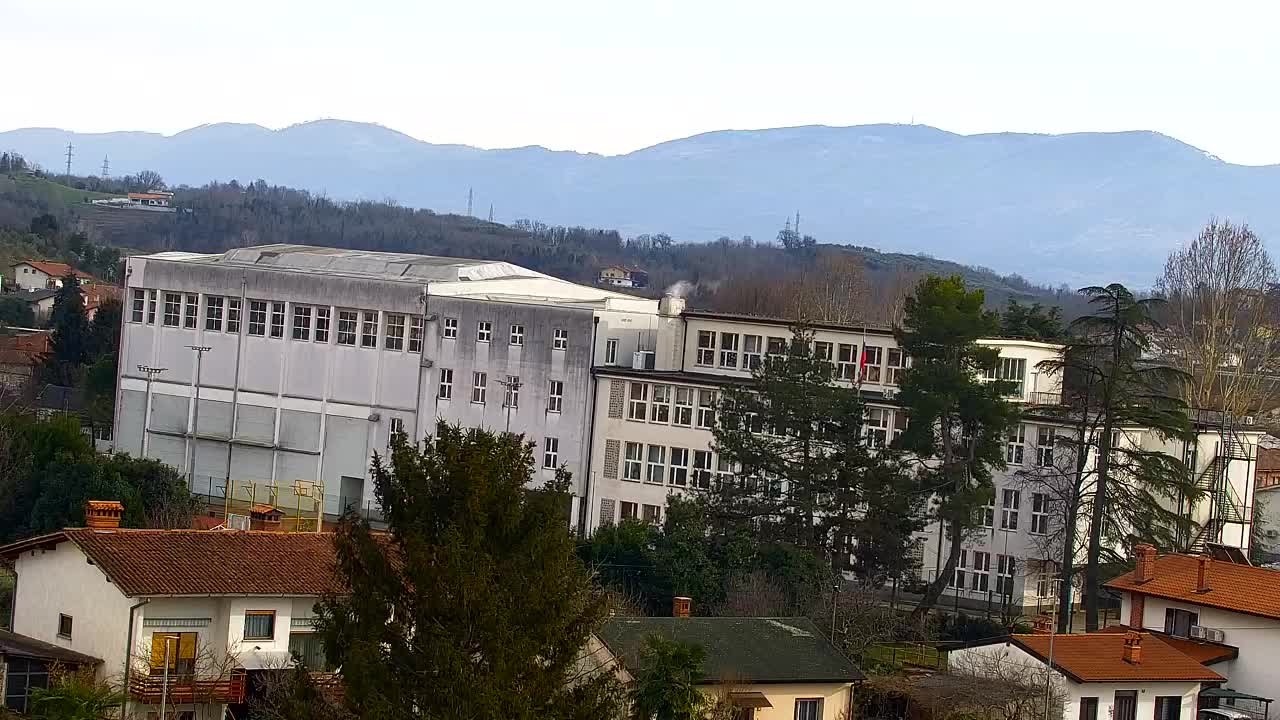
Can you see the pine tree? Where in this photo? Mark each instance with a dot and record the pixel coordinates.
(472, 605)
(666, 684)
(69, 344)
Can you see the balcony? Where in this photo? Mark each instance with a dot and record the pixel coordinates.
(187, 690)
(1044, 398)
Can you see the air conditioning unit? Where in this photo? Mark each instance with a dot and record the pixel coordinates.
(1200, 632)
(644, 359)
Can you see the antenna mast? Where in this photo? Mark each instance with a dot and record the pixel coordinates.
(490, 212)
(69, 148)
(105, 167)
(469, 197)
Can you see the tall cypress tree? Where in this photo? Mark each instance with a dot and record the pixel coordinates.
(69, 344)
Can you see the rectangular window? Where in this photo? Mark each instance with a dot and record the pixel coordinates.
(176, 650)
(877, 427)
(1178, 622)
(1125, 706)
(347, 327)
(981, 571)
(322, 324)
(151, 306)
(259, 624)
(479, 387)
(1168, 707)
(190, 310)
(396, 427)
(725, 471)
(958, 579)
(233, 315)
(702, 469)
(484, 331)
(446, 384)
(301, 322)
(517, 335)
(1016, 446)
(1088, 708)
(777, 347)
(679, 467)
(661, 410)
(987, 514)
(1009, 499)
(1039, 513)
(395, 332)
(450, 329)
(633, 462)
(139, 305)
(1044, 446)
(684, 407)
(657, 461)
(899, 422)
(752, 351)
(629, 511)
(1005, 565)
(511, 392)
(808, 709)
(310, 648)
(172, 309)
(560, 339)
(822, 351)
(847, 362)
(555, 396)
(64, 626)
(638, 403)
(611, 351)
(277, 320)
(706, 409)
(652, 514)
(872, 357)
(551, 453)
(213, 313)
(416, 326)
(896, 362)
(1012, 370)
(706, 348)
(369, 329)
(257, 317)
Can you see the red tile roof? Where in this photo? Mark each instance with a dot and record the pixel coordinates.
(202, 562)
(1242, 588)
(1202, 651)
(1099, 657)
(56, 269)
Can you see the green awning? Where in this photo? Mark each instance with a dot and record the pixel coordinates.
(1229, 694)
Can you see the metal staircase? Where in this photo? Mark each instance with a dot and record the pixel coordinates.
(1232, 452)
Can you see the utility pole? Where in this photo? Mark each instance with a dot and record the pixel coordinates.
(151, 373)
(512, 385)
(105, 167)
(199, 350)
(69, 148)
(470, 196)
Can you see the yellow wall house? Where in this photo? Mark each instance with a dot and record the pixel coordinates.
(773, 668)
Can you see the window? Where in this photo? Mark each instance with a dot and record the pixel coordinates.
(177, 648)
(630, 511)
(151, 307)
(706, 409)
(257, 317)
(1011, 370)
(559, 339)
(1044, 446)
(277, 320)
(1009, 498)
(899, 423)
(397, 426)
(632, 462)
(517, 335)
(446, 384)
(728, 350)
(752, 351)
(1005, 565)
(702, 469)
(1168, 707)
(877, 424)
(309, 647)
(22, 675)
(1125, 706)
(484, 331)
(64, 626)
(684, 407)
(652, 514)
(808, 709)
(1046, 585)
(1039, 513)
(369, 330)
(233, 315)
(987, 514)
(259, 624)
(846, 365)
(395, 332)
(1088, 708)
(551, 453)
(638, 405)
(555, 396)
(896, 362)
(611, 351)
(479, 387)
(1178, 622)
(450, 329)
(981, 569)
(657, 461)
(322, 324)
(724, 471)
(1017, 445)
(511, 392)
(190, 311)
(777, 347)
(172, 309)
(822, 351)
(661, 404)
(706, 348)
(416, 326)
(301, 322)
(139, 305)
(872, 357)
(213, 313)
(347, 327)
(679, 467)
(957, 580)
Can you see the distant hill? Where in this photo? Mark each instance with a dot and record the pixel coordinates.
(1056, 208)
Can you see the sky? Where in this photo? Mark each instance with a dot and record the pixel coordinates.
(610, 76)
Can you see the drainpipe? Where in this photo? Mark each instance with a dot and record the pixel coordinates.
(128, 650)
(591, 432)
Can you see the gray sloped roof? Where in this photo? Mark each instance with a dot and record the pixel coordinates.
(745, 650)
(15, 645)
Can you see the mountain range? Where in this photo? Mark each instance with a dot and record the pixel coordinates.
(1075, 208)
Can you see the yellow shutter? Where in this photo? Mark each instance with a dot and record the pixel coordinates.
(157, 650)
(187, 646)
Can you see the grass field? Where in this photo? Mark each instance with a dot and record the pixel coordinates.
(898, 655)
(56, 193)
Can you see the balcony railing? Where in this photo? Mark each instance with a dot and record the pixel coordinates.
(187, 690)
(1044, 398)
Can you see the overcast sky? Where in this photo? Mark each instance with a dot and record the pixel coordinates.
(611, 76)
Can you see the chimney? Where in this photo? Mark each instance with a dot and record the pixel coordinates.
(103, 513)
(680, 606)
(1144, 568)
(671, 305)
(1202, 577)
(1133, 648)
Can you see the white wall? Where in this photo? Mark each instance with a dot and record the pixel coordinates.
(29, 278)
(835, 698)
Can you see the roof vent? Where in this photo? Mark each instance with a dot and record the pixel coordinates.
(103, 513)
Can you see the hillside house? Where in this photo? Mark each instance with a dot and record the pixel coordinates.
(41, 274)
(623, 276)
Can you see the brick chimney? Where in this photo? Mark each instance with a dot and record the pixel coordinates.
(1145, 567)
(1133, 648)
(1202, 576)
(103, 513)
(680, 606)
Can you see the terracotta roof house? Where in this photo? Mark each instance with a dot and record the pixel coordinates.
(39, 274)
(211, 607)
(1211, 601)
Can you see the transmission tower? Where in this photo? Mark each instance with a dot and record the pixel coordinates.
(105, 167)
(490, 212)
(69, 148)
(469, 198)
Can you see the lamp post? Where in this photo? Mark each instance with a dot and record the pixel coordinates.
(512, 385)
(164, 681)
(1053, 630)
(151, 373)
(199, 350)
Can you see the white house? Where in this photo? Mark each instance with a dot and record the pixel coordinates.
(40, 274)
(1097, 676)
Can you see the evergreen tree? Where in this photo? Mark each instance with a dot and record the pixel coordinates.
(666, 684)
(958, 422)
(472, 605)
(69, 344)
(1034, 321)
(15, 312)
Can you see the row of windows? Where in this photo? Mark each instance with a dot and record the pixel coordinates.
(675, 466)
(1016, 447)
(1125, 706)
(739, 351)
(511, 390)
(1011, 506)
(976, 576)
(515, 334)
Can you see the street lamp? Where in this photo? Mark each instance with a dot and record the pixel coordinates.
(199, 350)
(512, 385)
(151, 373)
